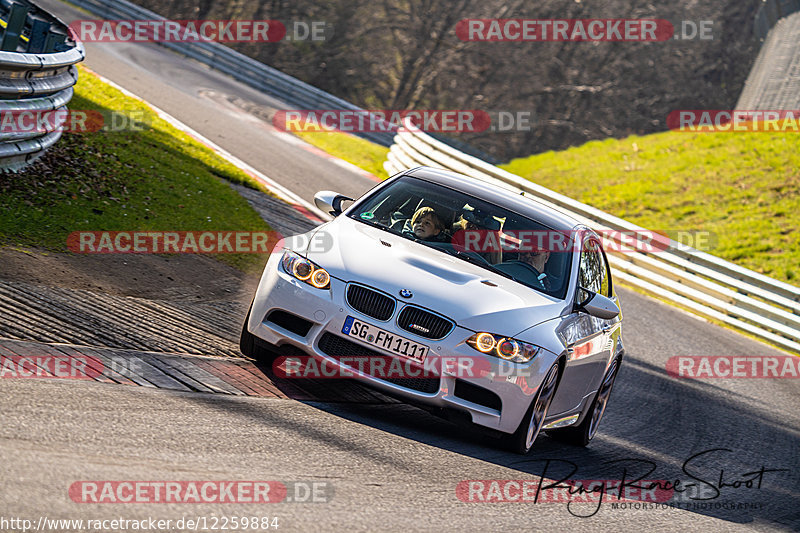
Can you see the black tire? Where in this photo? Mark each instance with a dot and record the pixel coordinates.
(523, 438)
(251, 347)
(583, 433)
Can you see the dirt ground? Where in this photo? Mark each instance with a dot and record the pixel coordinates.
(187, 303)
(183, 277)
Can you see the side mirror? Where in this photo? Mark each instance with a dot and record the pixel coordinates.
(597, 305)
(330, 202)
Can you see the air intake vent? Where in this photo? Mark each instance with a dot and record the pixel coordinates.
(424, 323)
(290, 322)
(370, 302)
(338, 347)
(475, 394)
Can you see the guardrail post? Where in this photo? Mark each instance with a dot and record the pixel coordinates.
(38, 37)
(14, 24)
(54, 42)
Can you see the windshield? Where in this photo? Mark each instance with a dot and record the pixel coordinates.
(487, 235)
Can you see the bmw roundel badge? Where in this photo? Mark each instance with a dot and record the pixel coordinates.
(405, 293)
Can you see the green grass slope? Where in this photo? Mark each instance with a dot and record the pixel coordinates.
(362, 153)
(744, 188)
(152, 178)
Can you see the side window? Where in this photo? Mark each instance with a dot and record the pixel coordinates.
(592, 274)
(605, 283)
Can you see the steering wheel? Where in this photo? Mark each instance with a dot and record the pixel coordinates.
(525, 266)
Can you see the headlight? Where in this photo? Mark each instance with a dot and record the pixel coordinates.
(320, 278)
(305, 270)
(503, 347)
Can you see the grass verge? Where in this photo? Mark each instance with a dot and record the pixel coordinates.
(362, 153)
(151, 177)
(743, 188)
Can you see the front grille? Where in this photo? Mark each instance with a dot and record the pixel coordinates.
(371, 303)
(337, 347)
(424, 323)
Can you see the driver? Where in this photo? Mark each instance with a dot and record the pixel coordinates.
(538, 258)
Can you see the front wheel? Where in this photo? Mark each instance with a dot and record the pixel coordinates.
(249, 345)
(522, 440)
(581, 434)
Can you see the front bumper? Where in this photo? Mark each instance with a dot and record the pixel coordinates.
(514, 384)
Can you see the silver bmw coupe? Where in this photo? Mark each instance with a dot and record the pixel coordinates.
(480, 304)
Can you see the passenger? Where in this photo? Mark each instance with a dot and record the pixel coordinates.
(427, 226)
(481, 222)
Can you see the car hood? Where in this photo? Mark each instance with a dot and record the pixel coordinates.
(474, 297)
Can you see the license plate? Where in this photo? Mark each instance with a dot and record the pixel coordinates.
(385, 340)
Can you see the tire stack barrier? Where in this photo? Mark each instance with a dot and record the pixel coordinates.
(37, 72)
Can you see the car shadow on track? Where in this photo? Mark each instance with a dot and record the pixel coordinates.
(706, 436)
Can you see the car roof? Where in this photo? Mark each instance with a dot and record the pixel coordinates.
(524, 205)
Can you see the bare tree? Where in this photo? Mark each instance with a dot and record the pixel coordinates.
(402, 54)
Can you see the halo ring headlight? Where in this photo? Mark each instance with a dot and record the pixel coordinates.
(320, 278)
(302, 270)
(507, 348)
(484, 342)
(305, 271)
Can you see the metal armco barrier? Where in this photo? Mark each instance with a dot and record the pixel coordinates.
(37, 72)
(707, 285)
(239, 66)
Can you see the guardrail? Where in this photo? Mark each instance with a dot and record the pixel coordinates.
(707, 285)
(37, 72)
(239, 66)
